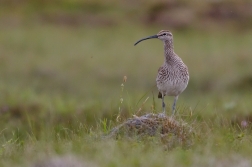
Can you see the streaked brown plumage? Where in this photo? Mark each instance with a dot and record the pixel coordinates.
(173, 75)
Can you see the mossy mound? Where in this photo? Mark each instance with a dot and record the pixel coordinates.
(172, 132)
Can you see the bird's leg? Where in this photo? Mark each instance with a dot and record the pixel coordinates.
(174, 105)
(163, 104)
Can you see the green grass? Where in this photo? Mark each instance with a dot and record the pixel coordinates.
(61, 89)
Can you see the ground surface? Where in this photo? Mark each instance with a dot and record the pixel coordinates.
(62, 88)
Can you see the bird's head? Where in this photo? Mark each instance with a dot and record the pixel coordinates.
(163, 35)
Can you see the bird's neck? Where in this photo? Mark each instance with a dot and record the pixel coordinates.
(168, 50)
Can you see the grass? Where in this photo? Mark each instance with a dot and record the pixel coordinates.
(61, 89)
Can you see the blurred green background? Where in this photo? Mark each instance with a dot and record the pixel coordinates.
(62, 62)
(75, 53)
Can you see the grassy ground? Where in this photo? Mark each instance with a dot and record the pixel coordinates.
(61, 89)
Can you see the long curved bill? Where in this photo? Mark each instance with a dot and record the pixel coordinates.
(150, 37)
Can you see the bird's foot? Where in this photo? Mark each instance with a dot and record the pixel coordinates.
(162, 115)
(173, 114)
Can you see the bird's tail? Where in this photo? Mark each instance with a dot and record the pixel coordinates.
(159, 95)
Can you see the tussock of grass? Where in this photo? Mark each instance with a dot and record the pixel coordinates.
(171, 131)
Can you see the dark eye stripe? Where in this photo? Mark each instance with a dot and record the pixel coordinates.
(164, 34)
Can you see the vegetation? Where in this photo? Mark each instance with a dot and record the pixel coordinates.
(62, 87)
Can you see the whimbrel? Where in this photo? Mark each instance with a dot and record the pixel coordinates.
(173, 76)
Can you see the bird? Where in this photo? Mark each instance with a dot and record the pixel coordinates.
(173, 76)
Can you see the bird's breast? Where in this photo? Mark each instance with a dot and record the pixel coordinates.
(172, 81)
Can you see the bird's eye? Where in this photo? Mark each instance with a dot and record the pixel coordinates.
(164, 34)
